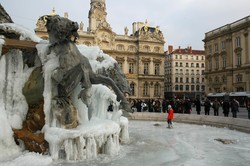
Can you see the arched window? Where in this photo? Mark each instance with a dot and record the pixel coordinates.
(197, 87)
(146, 48)
(120, 47)
(192, 87)
(131, 48)
(176, 87)
(181, 87)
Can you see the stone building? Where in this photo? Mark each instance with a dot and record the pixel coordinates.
(184, 73)
(228, 57)
(139, 54)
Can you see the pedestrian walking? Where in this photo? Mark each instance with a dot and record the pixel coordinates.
(170, 116)
(234, 107)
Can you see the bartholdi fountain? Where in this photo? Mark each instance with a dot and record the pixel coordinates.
(56, 94)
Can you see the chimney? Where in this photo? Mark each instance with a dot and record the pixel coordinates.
(179, 50)
(134, 27)
(190, 48)
(170, 49)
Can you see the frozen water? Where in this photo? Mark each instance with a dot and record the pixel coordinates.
(184, 145)
(97, 131)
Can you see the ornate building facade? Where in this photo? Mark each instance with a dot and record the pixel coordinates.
(228, 57)
(140, 54)
(184, 73)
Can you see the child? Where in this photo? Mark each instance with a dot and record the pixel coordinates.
(170, 116)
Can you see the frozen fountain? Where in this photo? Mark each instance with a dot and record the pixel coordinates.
(56, 95)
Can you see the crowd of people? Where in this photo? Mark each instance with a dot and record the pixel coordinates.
(185, 106)
(148, 105)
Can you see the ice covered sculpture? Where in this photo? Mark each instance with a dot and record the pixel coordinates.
(74, 97)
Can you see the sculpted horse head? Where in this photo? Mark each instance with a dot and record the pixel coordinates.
(60, 29)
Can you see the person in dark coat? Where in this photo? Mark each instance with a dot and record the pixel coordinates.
(216, 106)
(234, 108)
(138, 105)
(188, 107)
(226, 107)
(248, 107)
(198, 106)
(207, 106)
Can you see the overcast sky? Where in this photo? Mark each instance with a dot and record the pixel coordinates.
(183, 22)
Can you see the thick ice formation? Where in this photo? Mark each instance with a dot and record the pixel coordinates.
(98, 131)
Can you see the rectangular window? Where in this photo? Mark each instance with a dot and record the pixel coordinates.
(223, 45)
(217, 63)
(157, 69)
(131, 68)
(197, 72)
(237, 42)
(216, 48)
(181, 71)
(224, 61)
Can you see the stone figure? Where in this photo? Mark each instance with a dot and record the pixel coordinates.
(126, 31)
(74, 68)
(81, 26)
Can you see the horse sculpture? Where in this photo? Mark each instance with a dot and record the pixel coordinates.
(74, 68)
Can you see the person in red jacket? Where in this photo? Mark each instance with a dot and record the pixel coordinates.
(170, 116)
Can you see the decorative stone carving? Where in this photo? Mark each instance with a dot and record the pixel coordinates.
(144, 59)
(155, 60)
(129, 59)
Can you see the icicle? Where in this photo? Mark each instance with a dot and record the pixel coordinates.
(91, 148)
